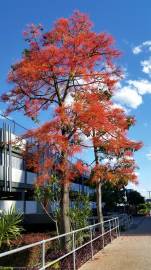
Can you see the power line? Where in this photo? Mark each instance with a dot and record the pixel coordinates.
(13, 121)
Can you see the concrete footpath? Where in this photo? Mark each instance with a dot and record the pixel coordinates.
(131, 251)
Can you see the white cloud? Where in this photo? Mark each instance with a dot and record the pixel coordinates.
(69, 100)
(146, 66)
(144, 45)
(112, 161)
(119, 106)
(147, 43)
(131, 94)
(137, 50)
(86, 141)
(142, 86)
(128, 96)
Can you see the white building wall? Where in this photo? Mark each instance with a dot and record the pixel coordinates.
(18, 175)
(6, 205)
(31, 206)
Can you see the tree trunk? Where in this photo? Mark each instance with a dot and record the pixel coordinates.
(98, 188)
(64, 219)
(99, 201)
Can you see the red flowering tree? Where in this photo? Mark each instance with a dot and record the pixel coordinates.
(55, 67)
(106, 128)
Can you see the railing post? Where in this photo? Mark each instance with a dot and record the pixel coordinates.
(110, 230)
(118, 227)
(73, 248)
(128, 222)
(91, 243)
(43, 254)
(116, 224)
(102, 224)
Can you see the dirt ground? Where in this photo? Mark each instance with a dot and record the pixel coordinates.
(132, 251)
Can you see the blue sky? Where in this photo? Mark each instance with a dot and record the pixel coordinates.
(128, 21)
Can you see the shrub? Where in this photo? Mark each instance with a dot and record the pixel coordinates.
(10, 226)
(27, 258)
(144, 209)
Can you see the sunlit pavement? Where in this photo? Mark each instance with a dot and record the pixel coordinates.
(132, 251)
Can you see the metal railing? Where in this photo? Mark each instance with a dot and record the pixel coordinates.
(125, 221)
(92, 233)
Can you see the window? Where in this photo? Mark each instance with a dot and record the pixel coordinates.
(17, 163)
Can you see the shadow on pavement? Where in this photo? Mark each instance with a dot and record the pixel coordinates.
(141, 226)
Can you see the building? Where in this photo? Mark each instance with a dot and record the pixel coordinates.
(17, 183)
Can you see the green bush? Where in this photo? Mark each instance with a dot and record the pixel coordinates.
(79, 214)
(9, 226)
(80, 211)
(144, 209)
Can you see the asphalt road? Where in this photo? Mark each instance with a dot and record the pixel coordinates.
(131, 251)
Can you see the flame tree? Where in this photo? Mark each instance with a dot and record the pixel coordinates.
(56, 67)
(106, 128)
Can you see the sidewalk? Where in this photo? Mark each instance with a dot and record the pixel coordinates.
(132, 251)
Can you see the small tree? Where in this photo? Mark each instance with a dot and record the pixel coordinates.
(79, 213)
(48, 197)
(113, 194)
(134, 198)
